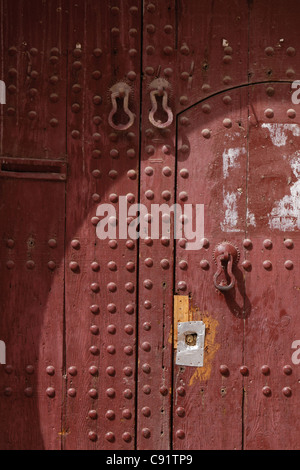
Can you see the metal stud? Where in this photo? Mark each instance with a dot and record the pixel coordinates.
(291, 113)
(289, 264)
(204, 264)
(267, 391)
(110, 437)
(181, 391)
(269, 51)
(268, 244)
(95, 287)
(180, 411)
(146, 411)
(227, 123)
(94, 329)
(128, 371)
(94, 350)
(244, 370)
(246, 265)
(50, 370)
(128, 394)
(93, 370)
(146, 368)
(265, 370)
(287, 370)
(146, 346)
(182, 285)
(72, 392)
(269, 113)
(184, 173)
(110, 415)
(8, 391)
(183, 100)
(206, 133)
(227, 99)
(72, 371)
(150, 28)
(93, 436)
(50, 392)
(146, 433)
(93, 414)
(227, 59)
(146, 389)
(93, 393)
(290, 73)
(110, 392)
(267, 265)
(287, 391)
(95, 309)
(128, 350)
(126, 436)
(247, 243)
(111, 349)
(29, 370)
(224, 370)
(291, 51)
(180, 434)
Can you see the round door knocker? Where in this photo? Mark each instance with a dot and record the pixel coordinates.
(159, 89)
(226, 256)
(120, 91)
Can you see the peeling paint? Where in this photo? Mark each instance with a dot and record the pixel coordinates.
(251, 218)
(286, 213)
(210, 346)
(278, 132)
(231, 214)
(230, 157)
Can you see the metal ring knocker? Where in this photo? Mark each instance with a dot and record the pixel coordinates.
(120, 90)
(225, 255)
(160, 88)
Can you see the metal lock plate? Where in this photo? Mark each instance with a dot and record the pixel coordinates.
(190, 346)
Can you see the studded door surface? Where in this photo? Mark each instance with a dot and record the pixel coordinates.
(159, 102)
(242, 163)
(33, 172)
(238, 154)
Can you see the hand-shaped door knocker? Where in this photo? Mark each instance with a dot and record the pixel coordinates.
(225, 255)
(120, 91)
(159, 89)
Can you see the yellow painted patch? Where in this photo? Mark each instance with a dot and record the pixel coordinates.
(210, 345)
(181, 313)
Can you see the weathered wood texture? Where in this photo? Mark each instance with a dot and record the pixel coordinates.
(104, 49)
(100, 315)
(33, 122)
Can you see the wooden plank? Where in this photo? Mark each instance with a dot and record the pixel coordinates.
(156, 255)
(271, 415)
(34, 71)
(32, 224)
(104, 49)
(207, 175)
(31, 320)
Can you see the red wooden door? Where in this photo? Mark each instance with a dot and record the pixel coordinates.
(32, 181)
(90, 324)
(242, 163)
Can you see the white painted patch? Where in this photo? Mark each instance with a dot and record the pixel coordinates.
(286, 213)
(278, 132)
(232, 136)
(230, 157)
(231, 214)
(251, 218)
